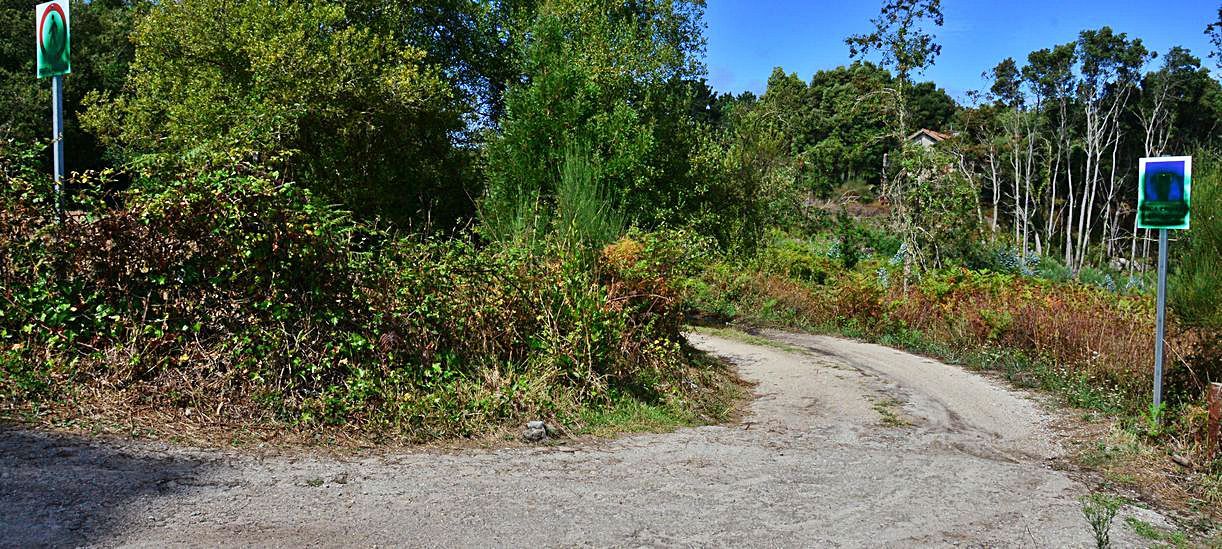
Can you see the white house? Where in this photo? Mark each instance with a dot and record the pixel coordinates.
(928, 138)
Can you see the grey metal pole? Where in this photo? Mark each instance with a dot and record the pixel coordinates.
(57, 141)
(1161, 323)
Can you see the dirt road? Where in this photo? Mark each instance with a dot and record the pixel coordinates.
(848, 444)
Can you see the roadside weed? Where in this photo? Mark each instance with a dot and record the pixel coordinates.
(1100, 510)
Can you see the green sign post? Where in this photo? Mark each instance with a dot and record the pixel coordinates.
(52, 46)
(1164, 197)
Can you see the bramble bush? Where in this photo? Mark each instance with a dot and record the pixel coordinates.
(222, 301)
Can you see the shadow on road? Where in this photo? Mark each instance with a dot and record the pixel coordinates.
(62, 490)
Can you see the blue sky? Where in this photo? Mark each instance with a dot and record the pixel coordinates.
(747, 38)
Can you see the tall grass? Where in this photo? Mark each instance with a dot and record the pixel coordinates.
(518, 220)
(579, 217)
(1083, 333)
(586, 220)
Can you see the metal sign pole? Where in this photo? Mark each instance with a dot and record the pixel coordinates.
(1164, 201)
(1161, 322)
(57, 141)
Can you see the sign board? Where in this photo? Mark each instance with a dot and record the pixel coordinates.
(52, 37)
(1164, 192)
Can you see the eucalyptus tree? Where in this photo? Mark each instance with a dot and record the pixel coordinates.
(1018, 118)
(1050, 72)
(1161, 91)
(982, 146)
(1156, 111)
(1110, 64)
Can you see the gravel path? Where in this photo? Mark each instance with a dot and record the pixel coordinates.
(847, 444)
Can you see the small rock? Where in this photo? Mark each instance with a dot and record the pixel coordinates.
(534, 435)
(536, 425)
(341, 478)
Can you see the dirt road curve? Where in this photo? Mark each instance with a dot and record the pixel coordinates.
(848, 445)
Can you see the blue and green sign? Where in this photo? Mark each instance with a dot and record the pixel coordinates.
(52, 38)
(1164, 193)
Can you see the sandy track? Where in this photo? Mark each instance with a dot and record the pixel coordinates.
(961, 461)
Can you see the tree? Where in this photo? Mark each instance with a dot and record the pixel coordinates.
(848, 125)
(939, 206)
(612, 78)
(930, 106)
(1007, 87)
(901, 37)
(1051, 73)
(1017, 119)
(1196, 101)
(835, 126)
(1110, 64)
(472, 42)
(295, 87)
(980, 150)
(707, 106)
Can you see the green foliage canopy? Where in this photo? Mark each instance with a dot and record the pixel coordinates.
(293, 86)
(836, 127)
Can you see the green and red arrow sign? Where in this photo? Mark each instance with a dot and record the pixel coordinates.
(52, 37)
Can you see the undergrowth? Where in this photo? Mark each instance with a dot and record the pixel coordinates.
(218, 301)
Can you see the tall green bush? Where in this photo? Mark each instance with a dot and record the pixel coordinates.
(1195, 287)
(614, 76)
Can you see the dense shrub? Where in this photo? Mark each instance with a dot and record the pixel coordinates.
(230, 300)
(796, 258)
(933, 207)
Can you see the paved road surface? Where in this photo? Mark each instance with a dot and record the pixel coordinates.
(847, 445)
